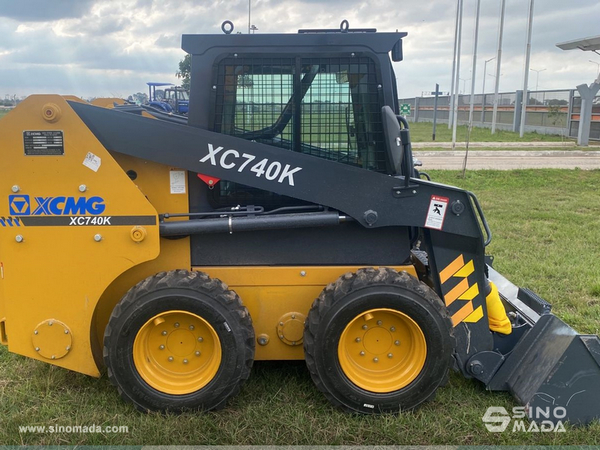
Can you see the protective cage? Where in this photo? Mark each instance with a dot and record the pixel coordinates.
(324, 107)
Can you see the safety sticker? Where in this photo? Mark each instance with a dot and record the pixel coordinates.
(92, 161)
(177, 182)
(436, 212)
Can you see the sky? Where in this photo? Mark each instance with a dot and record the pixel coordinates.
(100, 48)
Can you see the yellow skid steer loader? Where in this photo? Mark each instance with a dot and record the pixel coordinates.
(282, 219)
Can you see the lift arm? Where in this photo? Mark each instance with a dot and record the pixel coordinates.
(370, 198)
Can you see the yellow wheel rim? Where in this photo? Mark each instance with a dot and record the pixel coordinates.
(177, 352)
(382, 350)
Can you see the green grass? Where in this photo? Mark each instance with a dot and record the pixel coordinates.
(546, 237)
(3, 112)
(421, 132)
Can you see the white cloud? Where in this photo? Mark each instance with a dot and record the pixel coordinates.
(101, 47)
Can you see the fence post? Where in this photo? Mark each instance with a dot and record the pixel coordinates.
(417, 106)
(587, 94)
(517, 116)
(570, 112)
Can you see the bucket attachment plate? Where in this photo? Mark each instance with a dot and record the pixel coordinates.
(552, 370)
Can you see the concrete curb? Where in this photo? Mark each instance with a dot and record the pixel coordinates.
(494, 144)
(509, 153)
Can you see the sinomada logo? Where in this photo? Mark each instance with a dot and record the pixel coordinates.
(527, 420)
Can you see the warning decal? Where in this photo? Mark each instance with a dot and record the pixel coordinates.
(92, 161)
(436, 212)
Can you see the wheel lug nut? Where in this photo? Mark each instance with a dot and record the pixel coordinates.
(176, 325)
(357, 339)
(396, 342)
(200, 339)
(185, 361)
(164, 333)
(192, 327)
(392, 329)
(390, 355)
(379, 322)
(362, 353)
(197, 353)
(376, 359)
(170, 359)
(162, 347)
(364, 327)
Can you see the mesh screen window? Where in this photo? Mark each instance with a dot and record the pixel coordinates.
(324, 107)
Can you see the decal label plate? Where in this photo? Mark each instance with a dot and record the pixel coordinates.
(43, 143)
(177, 181)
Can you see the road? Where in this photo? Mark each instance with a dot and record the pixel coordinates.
(509, 160)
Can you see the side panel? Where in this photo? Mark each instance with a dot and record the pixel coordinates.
(278, 299)
(72, 210)
(154, 180)
(346, 244)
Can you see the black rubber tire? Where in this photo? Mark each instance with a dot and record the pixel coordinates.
(349, 296)
(189, 291)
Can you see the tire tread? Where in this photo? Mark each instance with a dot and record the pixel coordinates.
(197, 281)
(355, 280)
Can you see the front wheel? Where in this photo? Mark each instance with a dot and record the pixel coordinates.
(179, 340)
(378, 341)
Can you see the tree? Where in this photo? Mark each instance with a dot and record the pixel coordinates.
(245, 81)
(184, 72)
(556, 115)
(140, 98)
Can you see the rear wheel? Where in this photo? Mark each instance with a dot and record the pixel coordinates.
(179, 340)
(378, 341)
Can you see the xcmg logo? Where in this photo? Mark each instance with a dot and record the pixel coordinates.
(21, 205)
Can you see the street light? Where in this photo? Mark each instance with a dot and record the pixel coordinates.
(526, 71)
(464, 80)
(483, 90)
(537, 78)
(598, 64)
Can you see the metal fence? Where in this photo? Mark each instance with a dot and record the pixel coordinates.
(548, 112)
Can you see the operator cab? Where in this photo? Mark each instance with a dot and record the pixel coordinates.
(320, 92)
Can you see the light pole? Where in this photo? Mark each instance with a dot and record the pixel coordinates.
(464, 89)
(473, 77)
(598, 64)
(474, 69)
(537, 76)
(483, 89)
(526, 71)
(452, 90)
(498, 63)
(455, 106)
(249, 14)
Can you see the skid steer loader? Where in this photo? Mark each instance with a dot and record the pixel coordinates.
(282, 219)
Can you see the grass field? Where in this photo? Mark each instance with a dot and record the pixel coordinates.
(546, 237)
(421, 132)
(3, 112)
